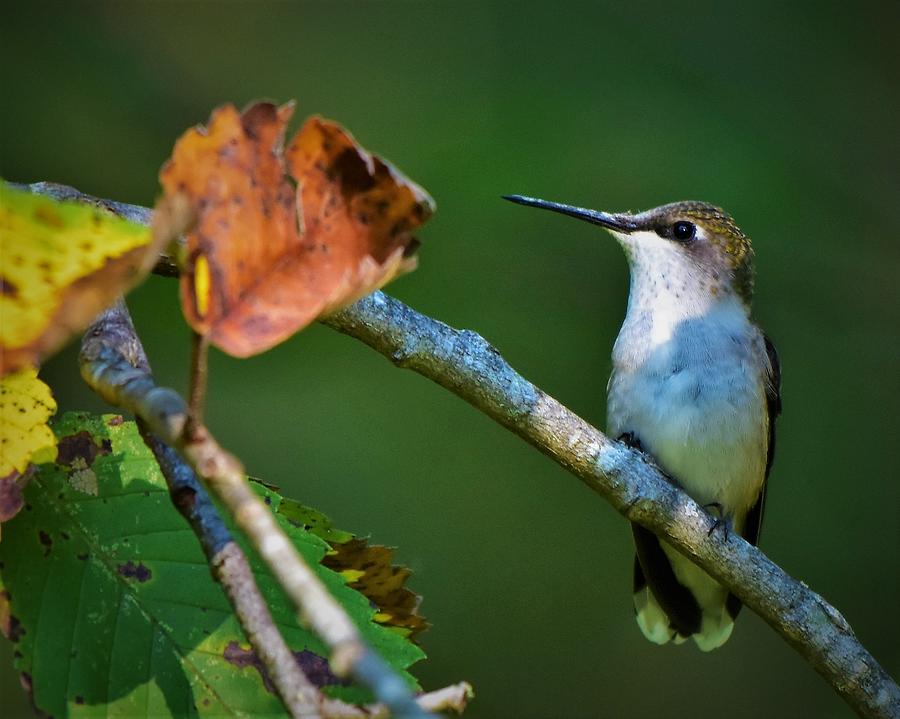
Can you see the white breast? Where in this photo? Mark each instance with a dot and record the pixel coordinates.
(694, 395)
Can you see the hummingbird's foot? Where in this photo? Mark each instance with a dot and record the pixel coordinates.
(720, 521)
(631, 439)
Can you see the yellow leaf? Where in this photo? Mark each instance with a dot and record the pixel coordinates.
(25, 406)
(60, 264)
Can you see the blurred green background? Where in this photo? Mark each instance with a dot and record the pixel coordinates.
(786, 114)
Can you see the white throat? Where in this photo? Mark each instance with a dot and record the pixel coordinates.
(669, 293)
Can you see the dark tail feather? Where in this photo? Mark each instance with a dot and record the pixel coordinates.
(656, 572)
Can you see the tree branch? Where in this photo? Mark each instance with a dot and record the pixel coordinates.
(464, 363)
(468, 366)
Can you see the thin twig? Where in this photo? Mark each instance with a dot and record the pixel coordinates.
(227, 561)
(453, 698)
(198, 378)
(464, 363)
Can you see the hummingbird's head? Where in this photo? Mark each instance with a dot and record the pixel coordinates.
(696, 242)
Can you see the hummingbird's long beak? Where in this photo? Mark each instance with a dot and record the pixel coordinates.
(595, 217)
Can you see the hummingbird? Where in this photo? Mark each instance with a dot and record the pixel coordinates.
(696, 384)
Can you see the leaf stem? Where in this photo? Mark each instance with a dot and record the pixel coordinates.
(198, 378)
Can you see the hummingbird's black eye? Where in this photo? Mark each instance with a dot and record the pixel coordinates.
(683, 231)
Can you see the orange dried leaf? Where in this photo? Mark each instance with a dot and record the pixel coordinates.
(265, 259)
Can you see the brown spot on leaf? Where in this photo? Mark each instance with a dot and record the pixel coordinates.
(8, 288)
(115, 421)
(46, 540)
(10, 626)
(81, 445)
(11, 499)
(243, 658)
(138, 571)
(47, 215)
(256, 117)
(351, 169)
(315, 667)
(14, 630)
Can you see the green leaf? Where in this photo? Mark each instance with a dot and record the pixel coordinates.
(109, 599)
